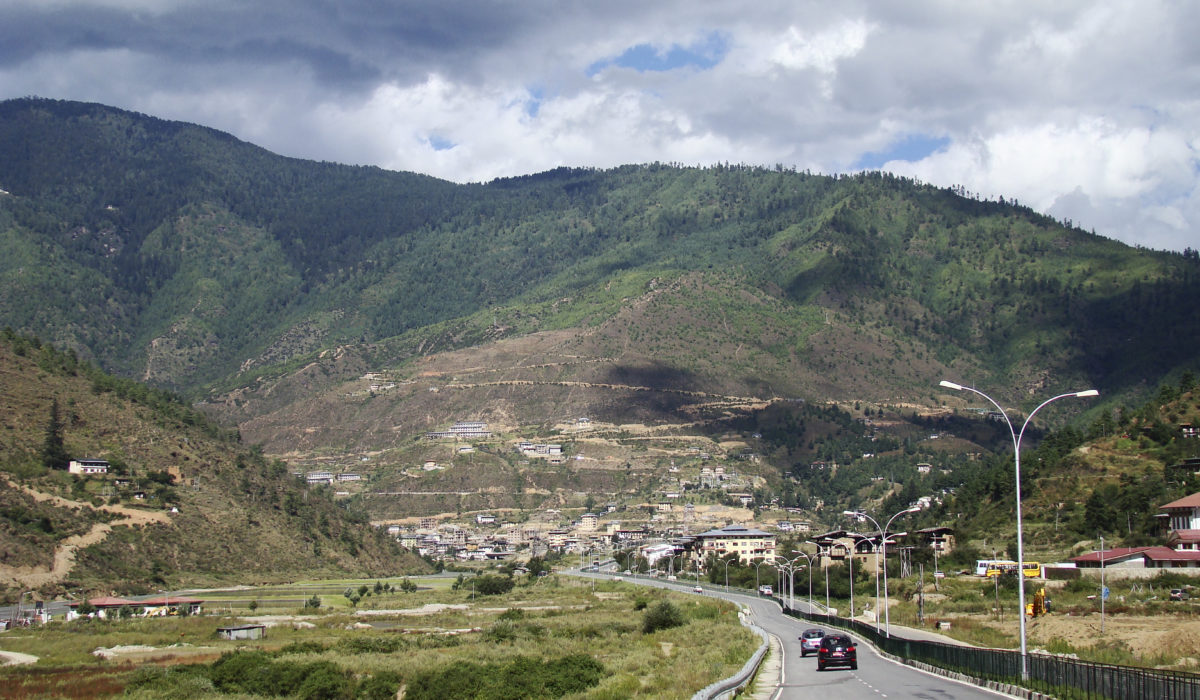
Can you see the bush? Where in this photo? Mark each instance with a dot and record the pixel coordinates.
(663, 615)
(371, 645)
(523, 677)
(307, 647)
(177, 682)
(490, 584)
(381, 686)
(325, 681)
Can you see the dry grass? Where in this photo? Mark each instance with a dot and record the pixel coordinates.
(546, 620)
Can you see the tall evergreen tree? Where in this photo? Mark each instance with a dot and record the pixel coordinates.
(54, 453)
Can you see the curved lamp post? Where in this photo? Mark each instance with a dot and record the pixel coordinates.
(757, 582)
(855, 537)
(791, 567)
(809, 560)
(887, 615)
(1016, 438)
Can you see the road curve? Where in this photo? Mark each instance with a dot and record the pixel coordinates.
(796, 678)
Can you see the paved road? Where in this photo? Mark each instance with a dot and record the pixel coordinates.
(795, 678)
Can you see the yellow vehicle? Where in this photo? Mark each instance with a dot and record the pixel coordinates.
(1031, 569)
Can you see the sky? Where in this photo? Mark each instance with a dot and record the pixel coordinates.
(1088, 111)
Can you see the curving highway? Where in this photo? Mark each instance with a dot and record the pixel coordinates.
(787, 676)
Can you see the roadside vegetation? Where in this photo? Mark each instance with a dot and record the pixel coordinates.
(546, 637)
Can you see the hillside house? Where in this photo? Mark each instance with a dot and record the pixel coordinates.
(462, 430)
(87, 466)
(939, 539)
(319, 477)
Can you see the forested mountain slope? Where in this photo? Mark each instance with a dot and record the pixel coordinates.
(179, 255)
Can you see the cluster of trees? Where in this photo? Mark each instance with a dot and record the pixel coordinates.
(161, 214)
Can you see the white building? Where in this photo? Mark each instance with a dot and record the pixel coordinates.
(87, 466)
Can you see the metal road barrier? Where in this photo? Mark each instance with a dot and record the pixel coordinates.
(1048, 674)
(727, 687)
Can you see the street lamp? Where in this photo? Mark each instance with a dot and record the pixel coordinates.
(887, 615)
(791, 568)
(726, 563)
(757, 582)
(809, 560)
(1016, 438)
(853, 550)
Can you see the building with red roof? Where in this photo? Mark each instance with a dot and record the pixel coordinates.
(1183, 523)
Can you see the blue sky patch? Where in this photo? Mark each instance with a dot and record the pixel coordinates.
(643, 58)
(534, 103)
(440, 144)
(911, 148)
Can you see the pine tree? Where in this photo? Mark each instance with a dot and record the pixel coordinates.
(54, 453)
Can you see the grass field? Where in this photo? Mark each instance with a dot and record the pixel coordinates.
(394, 634)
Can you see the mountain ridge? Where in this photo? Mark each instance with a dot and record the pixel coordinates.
(264, 288)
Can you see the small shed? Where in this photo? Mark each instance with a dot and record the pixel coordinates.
(242, 632)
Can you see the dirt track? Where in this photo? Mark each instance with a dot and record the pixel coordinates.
(30, 577)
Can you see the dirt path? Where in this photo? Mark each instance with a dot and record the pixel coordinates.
(13, 658)
(64, 554)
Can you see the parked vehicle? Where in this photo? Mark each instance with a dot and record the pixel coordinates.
(810, 641)
(1179, 594)
(836, 650)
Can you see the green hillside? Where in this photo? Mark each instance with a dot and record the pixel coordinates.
(177, 254)
(333, 314)
(183, 503)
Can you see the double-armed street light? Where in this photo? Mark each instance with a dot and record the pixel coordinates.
(887, 616)
(757, 582)
(726, 563)
(809, 560)
(855, 537)
(1016, 438)
(791, 569)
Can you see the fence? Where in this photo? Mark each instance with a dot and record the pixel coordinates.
(1058, 676)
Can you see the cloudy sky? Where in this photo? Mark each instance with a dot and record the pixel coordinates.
(1089, 110)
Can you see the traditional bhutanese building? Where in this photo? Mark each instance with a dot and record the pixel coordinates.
(748, 544)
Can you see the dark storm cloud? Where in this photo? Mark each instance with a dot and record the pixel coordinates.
(1087, 109)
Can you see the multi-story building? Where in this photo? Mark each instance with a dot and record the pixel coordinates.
(748, 544)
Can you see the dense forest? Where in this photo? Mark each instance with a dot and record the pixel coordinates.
(180, 255)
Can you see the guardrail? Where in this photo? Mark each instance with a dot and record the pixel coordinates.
(727, 687)
(1056, 676)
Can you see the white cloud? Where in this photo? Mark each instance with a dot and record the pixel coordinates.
(1085, 109)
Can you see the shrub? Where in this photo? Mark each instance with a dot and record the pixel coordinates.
(490, 584)
(523, 677)
(178, 682)
(371, 645)
(325, 681)
(663, 615)
(308, 647)
(381, 686)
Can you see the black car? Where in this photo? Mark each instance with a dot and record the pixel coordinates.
(810, 641)
(836, 650)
